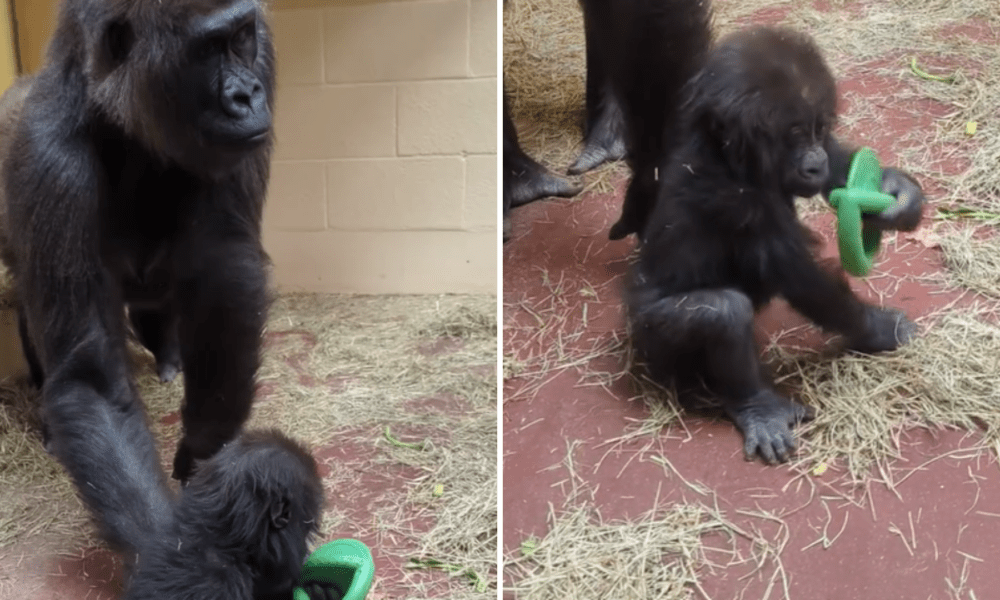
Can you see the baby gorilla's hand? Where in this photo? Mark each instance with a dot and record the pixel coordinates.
(886, 330)
(905, 214)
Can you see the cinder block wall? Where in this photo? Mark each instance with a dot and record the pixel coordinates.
(384, 179)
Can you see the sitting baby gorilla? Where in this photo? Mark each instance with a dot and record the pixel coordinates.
(724, 237)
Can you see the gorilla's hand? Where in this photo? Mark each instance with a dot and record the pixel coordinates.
(905, 214)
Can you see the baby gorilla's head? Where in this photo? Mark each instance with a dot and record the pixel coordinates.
(262, 497)
(767, 99)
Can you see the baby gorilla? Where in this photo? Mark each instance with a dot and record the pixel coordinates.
(241, 527)
(239, 530)
(724, 238)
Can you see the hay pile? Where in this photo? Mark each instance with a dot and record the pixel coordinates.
(946, 378)
(660, 555)
(868, 404)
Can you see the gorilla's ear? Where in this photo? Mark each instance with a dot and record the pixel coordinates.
(714, 110)
(729, 134)
(280, 513)
(740, 125)
(118, 40)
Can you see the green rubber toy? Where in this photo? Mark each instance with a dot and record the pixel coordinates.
(863, 194)
(344, 564)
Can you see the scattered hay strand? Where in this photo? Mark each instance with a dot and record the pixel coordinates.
(31, 483)
(658, 555)
(972, 257)
(866, 404)
(463, 540)
(946, 378)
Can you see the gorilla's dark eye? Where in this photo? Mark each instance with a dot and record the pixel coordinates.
(244, 41)
(119, 38)
(210, 48)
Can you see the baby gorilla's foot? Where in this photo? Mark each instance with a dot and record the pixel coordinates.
(766, 420)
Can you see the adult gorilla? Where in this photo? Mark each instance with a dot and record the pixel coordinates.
(136, 165)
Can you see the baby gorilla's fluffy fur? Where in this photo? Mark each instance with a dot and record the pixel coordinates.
(241, 528)
(724, 238)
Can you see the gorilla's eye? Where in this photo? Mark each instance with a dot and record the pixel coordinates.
(210, 48)
(797, 132)
(119, 38)
(244, 41)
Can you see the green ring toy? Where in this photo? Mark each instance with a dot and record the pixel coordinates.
(863, 194)
(345, 564)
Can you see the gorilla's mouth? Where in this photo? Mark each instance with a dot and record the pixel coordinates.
(256, 138)
(238, 140)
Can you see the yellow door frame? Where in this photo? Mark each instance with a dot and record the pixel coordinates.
(9, 67)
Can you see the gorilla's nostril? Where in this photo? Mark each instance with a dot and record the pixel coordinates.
(814, 171)
(242, 98)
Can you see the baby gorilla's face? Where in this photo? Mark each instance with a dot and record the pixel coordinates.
(805, 166)
(806, 169)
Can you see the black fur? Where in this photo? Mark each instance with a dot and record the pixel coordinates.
(136, 165)
(100, 435)
(604, 128)
(724, 238)
(640, 55)
(241, 528)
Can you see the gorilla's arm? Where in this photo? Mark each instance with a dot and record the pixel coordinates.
(89, 402)
(222, 300)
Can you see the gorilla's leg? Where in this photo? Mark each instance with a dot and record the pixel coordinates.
(717, 325)
(524, 180)
(604, 134)
(34, 366)
(157, 330)
(640, 198)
